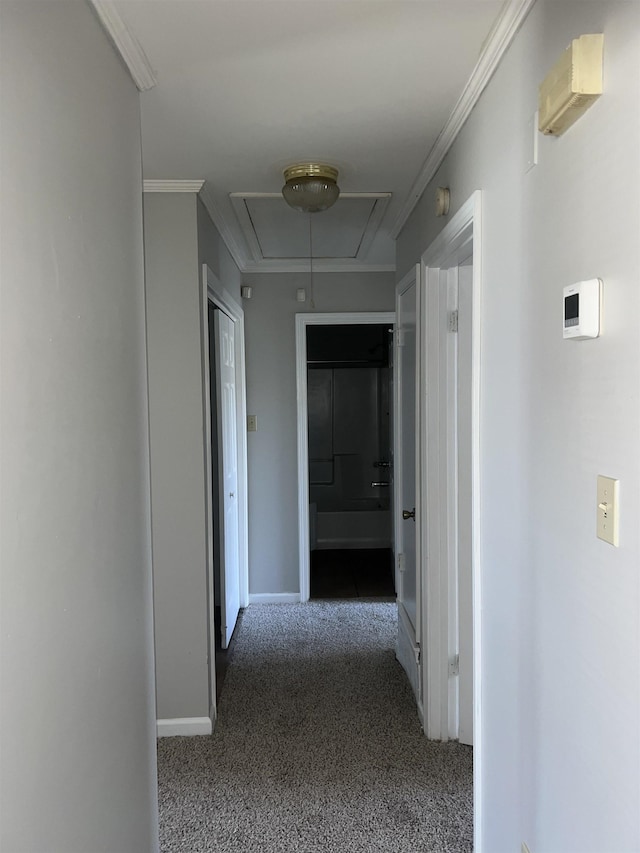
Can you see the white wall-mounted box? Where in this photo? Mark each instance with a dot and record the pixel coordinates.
(581, 309)
(572, 85)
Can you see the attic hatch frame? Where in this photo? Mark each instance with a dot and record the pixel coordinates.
(357, 263)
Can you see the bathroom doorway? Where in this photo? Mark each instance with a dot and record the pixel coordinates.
(345, 455)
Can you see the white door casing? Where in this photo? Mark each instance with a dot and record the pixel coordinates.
(464, 516)
(440, 459)
(455, 368)
(228, 477)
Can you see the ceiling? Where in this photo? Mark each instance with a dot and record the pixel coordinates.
(246, 87)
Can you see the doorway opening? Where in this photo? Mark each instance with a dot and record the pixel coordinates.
(345, 525)
(349, 392)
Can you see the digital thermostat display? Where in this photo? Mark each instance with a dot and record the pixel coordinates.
(582, 303)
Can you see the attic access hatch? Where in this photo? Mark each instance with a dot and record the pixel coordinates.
(274, 232)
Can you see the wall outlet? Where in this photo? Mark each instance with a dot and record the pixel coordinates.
(252, 423)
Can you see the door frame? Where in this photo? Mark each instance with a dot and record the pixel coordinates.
(464, 228)
(355, 318)
(212, 290)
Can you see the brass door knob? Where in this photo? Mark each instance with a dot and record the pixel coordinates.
(406, 514)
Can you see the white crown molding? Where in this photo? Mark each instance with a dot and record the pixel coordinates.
(172, 186)
(509, 22)
(126, 44)
(238, 254)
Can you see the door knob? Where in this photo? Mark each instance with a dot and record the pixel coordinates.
(406, 514)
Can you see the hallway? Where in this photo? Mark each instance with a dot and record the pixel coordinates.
(317, 747)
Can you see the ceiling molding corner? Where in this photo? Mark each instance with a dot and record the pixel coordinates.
(507, 25)
(126, 44)
(238, 254)
(172, 186)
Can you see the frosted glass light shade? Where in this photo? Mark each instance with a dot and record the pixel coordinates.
(310, 187)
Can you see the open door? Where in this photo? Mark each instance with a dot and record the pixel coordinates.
(406, 498)
(227, 474)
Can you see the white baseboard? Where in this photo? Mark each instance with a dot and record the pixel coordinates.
(185, 726)
(407, 653)
(274, 598)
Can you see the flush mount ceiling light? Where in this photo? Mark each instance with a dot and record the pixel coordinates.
(310, 187)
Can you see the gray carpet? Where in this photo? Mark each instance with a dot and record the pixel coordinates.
(317, 747)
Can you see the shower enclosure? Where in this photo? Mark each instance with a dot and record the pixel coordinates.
(349, 400)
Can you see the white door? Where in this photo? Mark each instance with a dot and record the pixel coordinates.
(407, 510)
(464, 505)
(228, 474)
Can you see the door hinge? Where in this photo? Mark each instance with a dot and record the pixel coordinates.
(453, 321)
(401, 562)
(399, 337)
(454, 665)
(417, 654)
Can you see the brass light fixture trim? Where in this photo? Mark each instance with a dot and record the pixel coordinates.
(310, 187)
(311, 170)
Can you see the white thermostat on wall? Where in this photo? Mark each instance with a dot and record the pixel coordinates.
(582, 304)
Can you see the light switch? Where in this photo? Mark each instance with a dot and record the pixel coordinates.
(607, 510)
(252, 423)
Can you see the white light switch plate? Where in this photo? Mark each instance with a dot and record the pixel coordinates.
(252, 423)
(607, 509)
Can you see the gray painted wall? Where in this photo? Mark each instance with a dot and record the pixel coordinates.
(78, 734)
(179, 238)
(177, 454)
(213, 252)
(561, 609)
(271, 395)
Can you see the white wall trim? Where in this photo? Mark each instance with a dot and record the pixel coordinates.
(172, 186)
(126, 44)
(184, 726)
(509, 22)
(274, 598)
(302, 321)
(465, 226)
